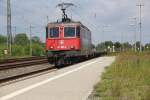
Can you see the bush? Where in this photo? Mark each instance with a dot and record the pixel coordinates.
(21, 39)
(2, 47)
(3, 39)
(23, 51)
(38, 50)
(27, 50)
(18, 50)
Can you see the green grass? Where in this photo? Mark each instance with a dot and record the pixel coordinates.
(128, 78)
(2, 47)
(19, 51)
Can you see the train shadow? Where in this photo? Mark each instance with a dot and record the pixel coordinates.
(74, 63)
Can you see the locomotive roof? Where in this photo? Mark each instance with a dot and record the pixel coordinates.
(69, 23)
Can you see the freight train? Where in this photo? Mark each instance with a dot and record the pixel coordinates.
(68, 41)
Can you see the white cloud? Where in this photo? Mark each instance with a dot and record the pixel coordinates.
(93, 13)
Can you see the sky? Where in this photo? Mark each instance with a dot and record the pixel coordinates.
(107, 19)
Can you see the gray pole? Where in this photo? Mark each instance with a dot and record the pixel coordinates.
(140, 6)
(9, 34)
(122, 41)
(135, 33)
(103, 32)
(30, 40)
(103, 36)
(15, 31)
(104, 26)
(31, 49)
(14, 34)
(47, 18)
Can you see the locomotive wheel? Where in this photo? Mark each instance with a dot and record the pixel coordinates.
(59, 63)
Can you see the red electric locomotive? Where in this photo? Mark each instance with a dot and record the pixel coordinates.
(67, 41)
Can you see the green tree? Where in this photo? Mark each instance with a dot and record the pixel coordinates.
(93, 46)
(108, 43)
(21, 39)
(126, 46)
(100, 47)
(117, 46)
(18, 50)
(36, 39)
(147, 46)
(3, 39)
(38, 50)
(138, 45)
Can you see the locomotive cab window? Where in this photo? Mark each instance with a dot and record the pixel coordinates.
(54, 32)
(78, 31)
(69, 32)
(46, 32)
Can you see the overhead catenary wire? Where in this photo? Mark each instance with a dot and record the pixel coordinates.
(27, 21)
(96, 28)
(41, 22)
(32, 12)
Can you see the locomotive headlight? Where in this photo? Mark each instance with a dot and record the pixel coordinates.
(72, 47)
(51, 47)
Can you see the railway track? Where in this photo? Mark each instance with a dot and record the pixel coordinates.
(14, 69)
(11, 69)
(21, 62)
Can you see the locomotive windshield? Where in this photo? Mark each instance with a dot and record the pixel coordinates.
(54, 32)
(69, 32)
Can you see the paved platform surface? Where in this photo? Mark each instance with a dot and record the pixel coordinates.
(71, 83)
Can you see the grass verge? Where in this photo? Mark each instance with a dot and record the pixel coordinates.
(128, 78)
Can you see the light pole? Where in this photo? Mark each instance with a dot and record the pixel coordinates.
(31, 49)
(9, 33)
(135, 19)
(140, 7)
(103, 32)
(47, 19)
(122, 35)
(135, 28)
(104, 26)
(14, 33)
